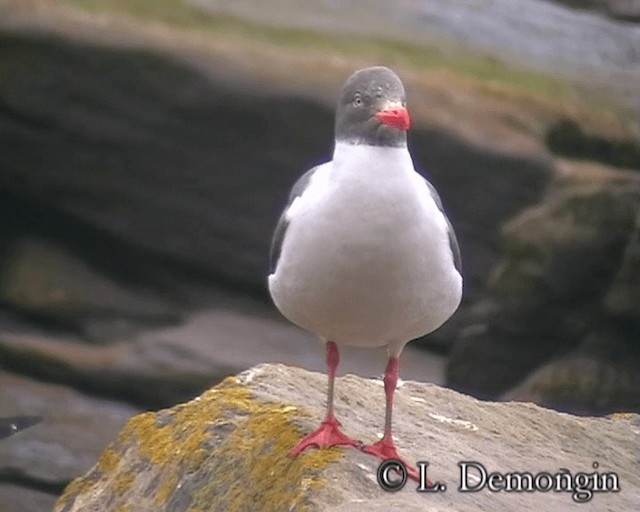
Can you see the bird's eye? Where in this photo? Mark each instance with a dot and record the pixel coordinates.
(357, 100)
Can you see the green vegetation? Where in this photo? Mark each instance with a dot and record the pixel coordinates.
(177, 13)
(173, 12)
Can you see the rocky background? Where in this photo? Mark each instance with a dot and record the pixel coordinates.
(146, 149)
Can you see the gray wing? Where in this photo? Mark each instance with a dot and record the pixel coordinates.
(278, 235)
(453, 241)
(12, 425)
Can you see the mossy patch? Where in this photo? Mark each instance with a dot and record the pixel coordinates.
(225, 450)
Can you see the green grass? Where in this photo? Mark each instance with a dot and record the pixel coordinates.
(174, 12)
(466, 63)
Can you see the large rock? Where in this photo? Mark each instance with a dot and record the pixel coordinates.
(227, 450)
(42, 281)
(568, 282)
(599, 376)
(18, 498)
(44, 458)
(623, 297)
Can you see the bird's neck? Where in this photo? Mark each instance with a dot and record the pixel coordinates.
(362, 158)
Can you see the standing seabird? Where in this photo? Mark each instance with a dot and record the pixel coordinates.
(363, 253)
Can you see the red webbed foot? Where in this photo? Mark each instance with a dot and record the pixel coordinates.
(327, 435)
(386, 449)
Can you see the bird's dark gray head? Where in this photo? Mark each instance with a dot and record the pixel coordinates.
(372, 109)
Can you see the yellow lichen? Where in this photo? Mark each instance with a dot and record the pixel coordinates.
(108, 461)
(279, 482)
(166, 488)
(76, 487)
(623, 415)
(123, 481)
(250, 466)
(182, 437)
(263, 472)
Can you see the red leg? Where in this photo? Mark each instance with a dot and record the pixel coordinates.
(328, 433)
(386, 448)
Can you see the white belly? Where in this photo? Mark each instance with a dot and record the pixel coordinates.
(367, 263)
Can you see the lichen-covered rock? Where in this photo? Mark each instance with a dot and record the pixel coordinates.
(227, 451)
(222, 451)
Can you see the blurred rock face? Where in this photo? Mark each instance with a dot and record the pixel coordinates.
(564, 303)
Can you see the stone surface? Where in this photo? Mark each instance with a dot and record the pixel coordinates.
(168, 165)
(11, 425)
(38, 278)
(227, 450)
(74, 430)
(599, 376)
(17, 498)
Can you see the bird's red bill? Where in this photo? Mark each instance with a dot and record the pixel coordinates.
(396, 117)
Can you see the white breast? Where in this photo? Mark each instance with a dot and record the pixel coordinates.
(366, 257)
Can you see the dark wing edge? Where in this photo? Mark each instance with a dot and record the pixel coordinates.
(278, 235)
(453, 241)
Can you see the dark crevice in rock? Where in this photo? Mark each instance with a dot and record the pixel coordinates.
(625, 10)
(78, 323)
(102, 249)
(52, 324)
(19, 117)
(153, 391)
(8, 476)
(566, 138)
